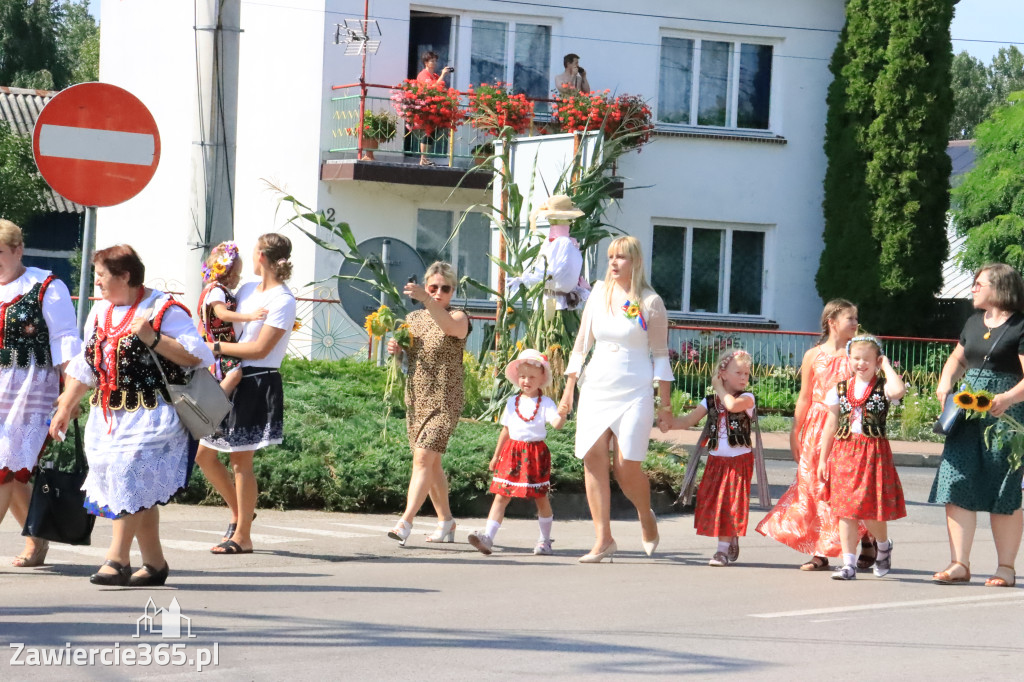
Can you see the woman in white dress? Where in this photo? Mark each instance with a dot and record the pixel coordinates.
(139, 452)
(626, 324)
(256, 419)
(38, 338)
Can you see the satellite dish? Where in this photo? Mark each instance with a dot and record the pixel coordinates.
(359, 299)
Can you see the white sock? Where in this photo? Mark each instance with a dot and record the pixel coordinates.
(723, 547)
(849, 559)
(545, 527)
(884, 546)
(492, 528)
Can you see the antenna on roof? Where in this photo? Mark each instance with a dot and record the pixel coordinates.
(358, 36)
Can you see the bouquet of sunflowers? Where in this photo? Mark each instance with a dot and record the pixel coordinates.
(379, 324)
(1006, 430)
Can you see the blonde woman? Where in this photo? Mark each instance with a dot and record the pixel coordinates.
(626, 324)
(434, 395)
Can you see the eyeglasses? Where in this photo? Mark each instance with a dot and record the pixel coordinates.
(445, 288)
(978, 285)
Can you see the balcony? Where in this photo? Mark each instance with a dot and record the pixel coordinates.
(451, 153)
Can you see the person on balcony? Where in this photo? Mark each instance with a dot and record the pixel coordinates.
(574, 78)
(429, 75)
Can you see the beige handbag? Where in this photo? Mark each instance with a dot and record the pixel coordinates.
(200, 402)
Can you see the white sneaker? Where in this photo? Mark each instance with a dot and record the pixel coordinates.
(481, 541)
(845, 573)
(719, 559)
(543, 548)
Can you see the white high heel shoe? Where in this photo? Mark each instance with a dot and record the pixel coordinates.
(401, 532)
(445, 532)
(605, 553)
(652, 545)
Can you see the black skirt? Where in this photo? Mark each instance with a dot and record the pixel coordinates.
(256, 419)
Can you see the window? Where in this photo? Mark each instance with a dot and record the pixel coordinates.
(715, 83)
(469, 246)
(511, 52)
(709, 270)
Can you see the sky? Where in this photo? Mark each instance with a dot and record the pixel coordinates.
(1001, 21)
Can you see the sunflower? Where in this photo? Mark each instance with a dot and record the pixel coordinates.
(371, 320)
(632, 311)
(964, 399)
(982, 401)
(297, 325)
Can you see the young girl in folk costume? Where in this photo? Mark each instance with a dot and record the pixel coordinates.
(522, 462)
(802, 519)
(723, 498)
(861, 483)
(217, 310)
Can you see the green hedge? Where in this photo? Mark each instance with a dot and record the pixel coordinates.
(335, 456)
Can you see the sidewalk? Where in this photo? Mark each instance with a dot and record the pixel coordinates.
(776, 446)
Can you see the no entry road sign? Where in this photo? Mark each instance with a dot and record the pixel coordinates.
(96, 144)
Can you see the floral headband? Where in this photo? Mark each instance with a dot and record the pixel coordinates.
(865, 338)
(738, 353)
(223, 264)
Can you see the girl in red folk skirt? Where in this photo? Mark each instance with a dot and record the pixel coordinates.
(723, 497)
(861, 483)
(522, 462)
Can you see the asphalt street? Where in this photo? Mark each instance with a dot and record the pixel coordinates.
(328, 595)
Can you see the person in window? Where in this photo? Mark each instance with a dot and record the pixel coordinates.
(430, 75)
(39, 338)
(626, 324)
(574, 78)
(139, 453)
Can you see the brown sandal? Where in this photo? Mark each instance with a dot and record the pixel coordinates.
(817, 563)
(999, 581)
(868, 553)
(946, 576)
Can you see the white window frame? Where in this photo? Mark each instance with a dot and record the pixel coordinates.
(734, 79)
(475, 296)
(725, 269)
(466, 49)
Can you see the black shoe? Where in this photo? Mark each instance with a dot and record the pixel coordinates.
(152, 578)
(119, 579)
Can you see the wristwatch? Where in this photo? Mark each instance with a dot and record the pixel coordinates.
(216, 347)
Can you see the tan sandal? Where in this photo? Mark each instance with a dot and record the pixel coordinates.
(946, 577)
(998, 580)
(817, 563)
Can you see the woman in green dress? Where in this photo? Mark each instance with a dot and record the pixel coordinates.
(974, 476)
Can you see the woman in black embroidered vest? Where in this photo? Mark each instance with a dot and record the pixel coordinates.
(861, 483)
(37, 338)
(256, 419)
(138, 450)
(975, 476)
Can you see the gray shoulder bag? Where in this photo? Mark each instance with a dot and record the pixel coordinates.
(200, 402)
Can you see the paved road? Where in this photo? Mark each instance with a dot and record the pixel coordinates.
(327, 595)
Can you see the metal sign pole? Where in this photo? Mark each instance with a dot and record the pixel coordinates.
(85, 275)
(385, 259)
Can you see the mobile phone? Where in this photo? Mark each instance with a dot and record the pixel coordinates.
(412, 280)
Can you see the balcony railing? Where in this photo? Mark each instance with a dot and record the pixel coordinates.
(458, 147)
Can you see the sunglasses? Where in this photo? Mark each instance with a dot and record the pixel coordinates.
(445, 289)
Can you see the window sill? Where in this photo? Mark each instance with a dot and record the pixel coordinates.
(719, 134)
(716, 321)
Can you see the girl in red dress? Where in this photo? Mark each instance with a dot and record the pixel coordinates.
(861, 483)
(723, 498)
(522, 462)
(217, 314)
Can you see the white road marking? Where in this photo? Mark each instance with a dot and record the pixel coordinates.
(379, 529)
(93, 144)
(326, 533)
(257, 538)
(891, 605)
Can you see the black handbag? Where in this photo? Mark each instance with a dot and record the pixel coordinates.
(56, 511)
(952, 414)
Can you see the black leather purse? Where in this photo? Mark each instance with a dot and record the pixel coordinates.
(56, 511)
(952, 415)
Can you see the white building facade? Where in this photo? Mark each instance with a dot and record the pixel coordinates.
(726, 199)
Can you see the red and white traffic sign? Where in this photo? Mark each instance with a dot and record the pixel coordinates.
(96, 144)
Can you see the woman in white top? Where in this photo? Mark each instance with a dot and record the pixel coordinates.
(138, 450)
(626, 324)
(256, 419)
(39, 338)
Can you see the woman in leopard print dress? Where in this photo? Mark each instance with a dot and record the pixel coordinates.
(434, 396)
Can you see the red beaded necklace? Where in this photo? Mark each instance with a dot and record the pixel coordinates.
(536, 408)
(107, 370)
(858, 402)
